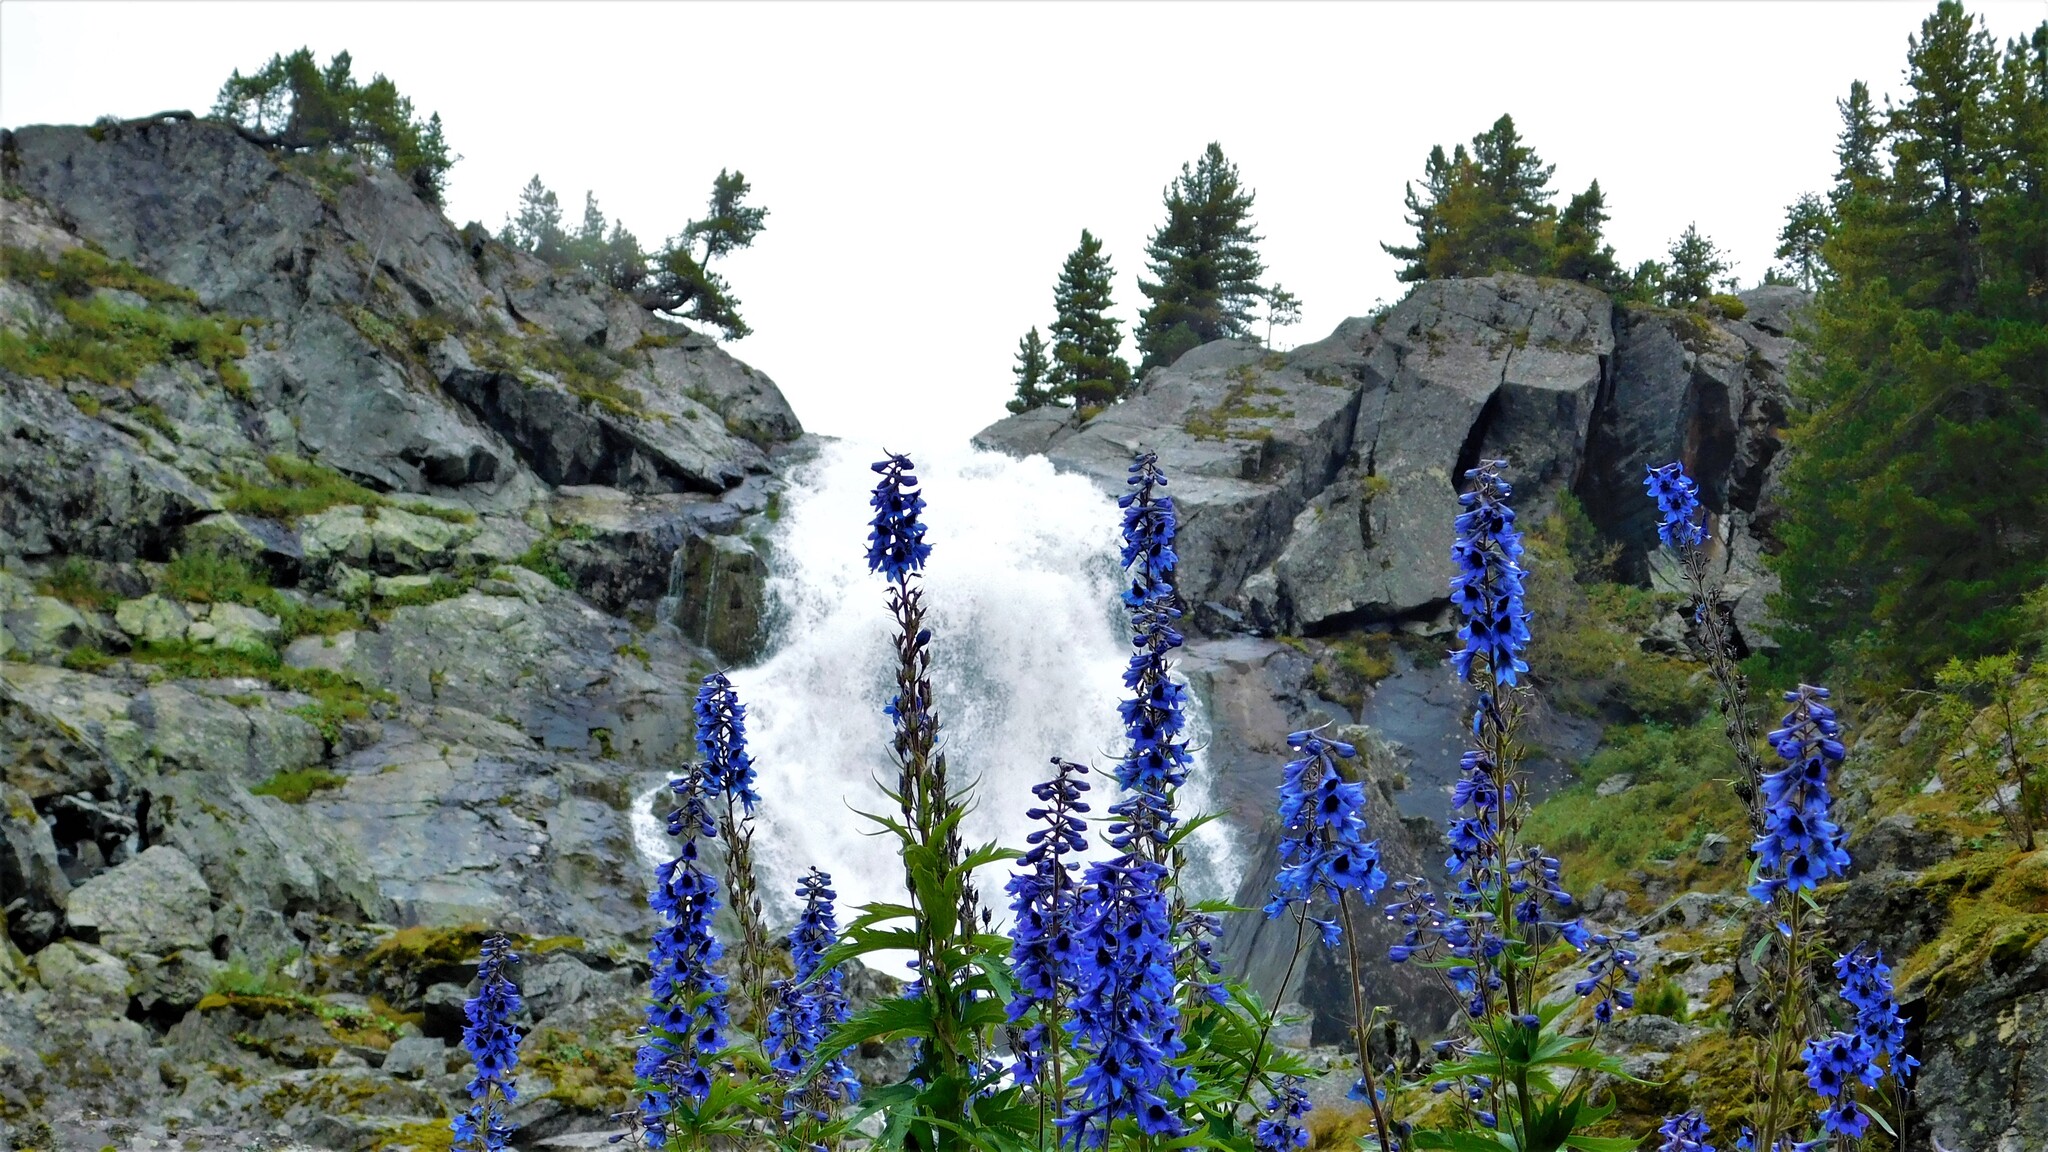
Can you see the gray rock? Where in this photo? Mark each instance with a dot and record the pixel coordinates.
(1028, 433)
(723, 597)
(621, 549)
(391, 541)
(1713, 848)
(250, 538)
(1615, 785)
(29, 869)
(236, 627)
(84, 977)
(415, 1057)
(1898, 842)
(152, 619)
(157, 903)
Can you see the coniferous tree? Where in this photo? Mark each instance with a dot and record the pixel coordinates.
(1283, 310)
(294, 105)
(1914, 520)
(1581, 252)
(1488, 210)
(1807, 224)
(1697, 268)
(1204, 261)
(1857, 146)
(1031, 370)
(1086, 367)
(537, 225)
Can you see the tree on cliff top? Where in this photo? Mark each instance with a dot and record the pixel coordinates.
(293, 104)
(1204, 261)
(1914, 521)
(677, 280)
(1086, 367)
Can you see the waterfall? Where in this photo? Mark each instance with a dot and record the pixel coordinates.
(1029, 645)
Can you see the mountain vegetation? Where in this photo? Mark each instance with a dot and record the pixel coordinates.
(293, 104)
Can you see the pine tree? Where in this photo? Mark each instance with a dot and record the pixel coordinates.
(1030, 371)
(1581, 252)
(537, 225)
(1086, 368)
(1914, 522)
(1697, 268)
(1800, 241)
(1204, 261)
(294, 105)
(1856, 147)
(1283, 310)
(1487, 210)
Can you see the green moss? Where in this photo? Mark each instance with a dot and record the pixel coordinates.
(1728, 305)
(416, 1136)
(295, 787)
(107, 341)
(1236, 404)
(587, 373)
(1681, 792)
(77, 582)
(438, 589)
(152, 417)
(1998, 913)
(587, 1074)
(303, 488)
(335, 699)
(1347, 666)
(541, 556)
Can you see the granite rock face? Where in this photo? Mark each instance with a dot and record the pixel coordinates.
(317, 661)
(1315, 484)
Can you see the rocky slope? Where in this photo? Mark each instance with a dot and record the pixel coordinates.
(338, 552)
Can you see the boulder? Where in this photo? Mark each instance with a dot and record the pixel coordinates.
(83, 977)
(258, 541)
(236, 627)
(157, 902)
(723, 592)
(43, 626)
(152, 619)
(387, 540)
(415, 1057)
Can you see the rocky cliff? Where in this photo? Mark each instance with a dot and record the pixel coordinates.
(335, 543)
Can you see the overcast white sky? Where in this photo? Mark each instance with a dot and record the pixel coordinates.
(928, 166)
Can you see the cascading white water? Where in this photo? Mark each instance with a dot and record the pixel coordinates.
(1029, 645)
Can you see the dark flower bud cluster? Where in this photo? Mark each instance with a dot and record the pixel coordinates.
(1801, 846)
(1486, 586)
(493, 1045)
(722, 742)
(1323, 849)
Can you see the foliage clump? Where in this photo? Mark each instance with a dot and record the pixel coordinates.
(102, 336)
(294, 105)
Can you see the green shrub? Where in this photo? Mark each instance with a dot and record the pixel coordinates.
(77, 583)
(106, 341)
(1728, 305)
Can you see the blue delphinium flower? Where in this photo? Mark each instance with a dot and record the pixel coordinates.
(1043, 906)
(1685, 1132)
(1866, 984)
(896, 546)
(1155, 712)
(722, 741)
(1323, 849)
(686, 1013)
(811, 1002)
(1149, 528)
(1126, 1020)
(1611, 976)
(1487, 586)
(493, 1045)
(1835, 1064)
(1801, 846)
(1682, 522)
(1282, 1130)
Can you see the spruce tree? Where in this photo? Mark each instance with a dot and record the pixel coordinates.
(1697, 268)
(1581, 252)
(1807, 224)
(1086, 368)
(1030, 371)
(1204, 261)
(1914, 525)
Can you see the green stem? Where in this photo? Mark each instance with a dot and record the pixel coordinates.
(1362, 1023)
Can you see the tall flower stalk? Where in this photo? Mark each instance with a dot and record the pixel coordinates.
(1800, 848)
(686, 1013)
(806, 1007)
(493, 1045)
(1044, 898)
(1682, 527)
(1506, 910)
(1324, 854)
(729, 778)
